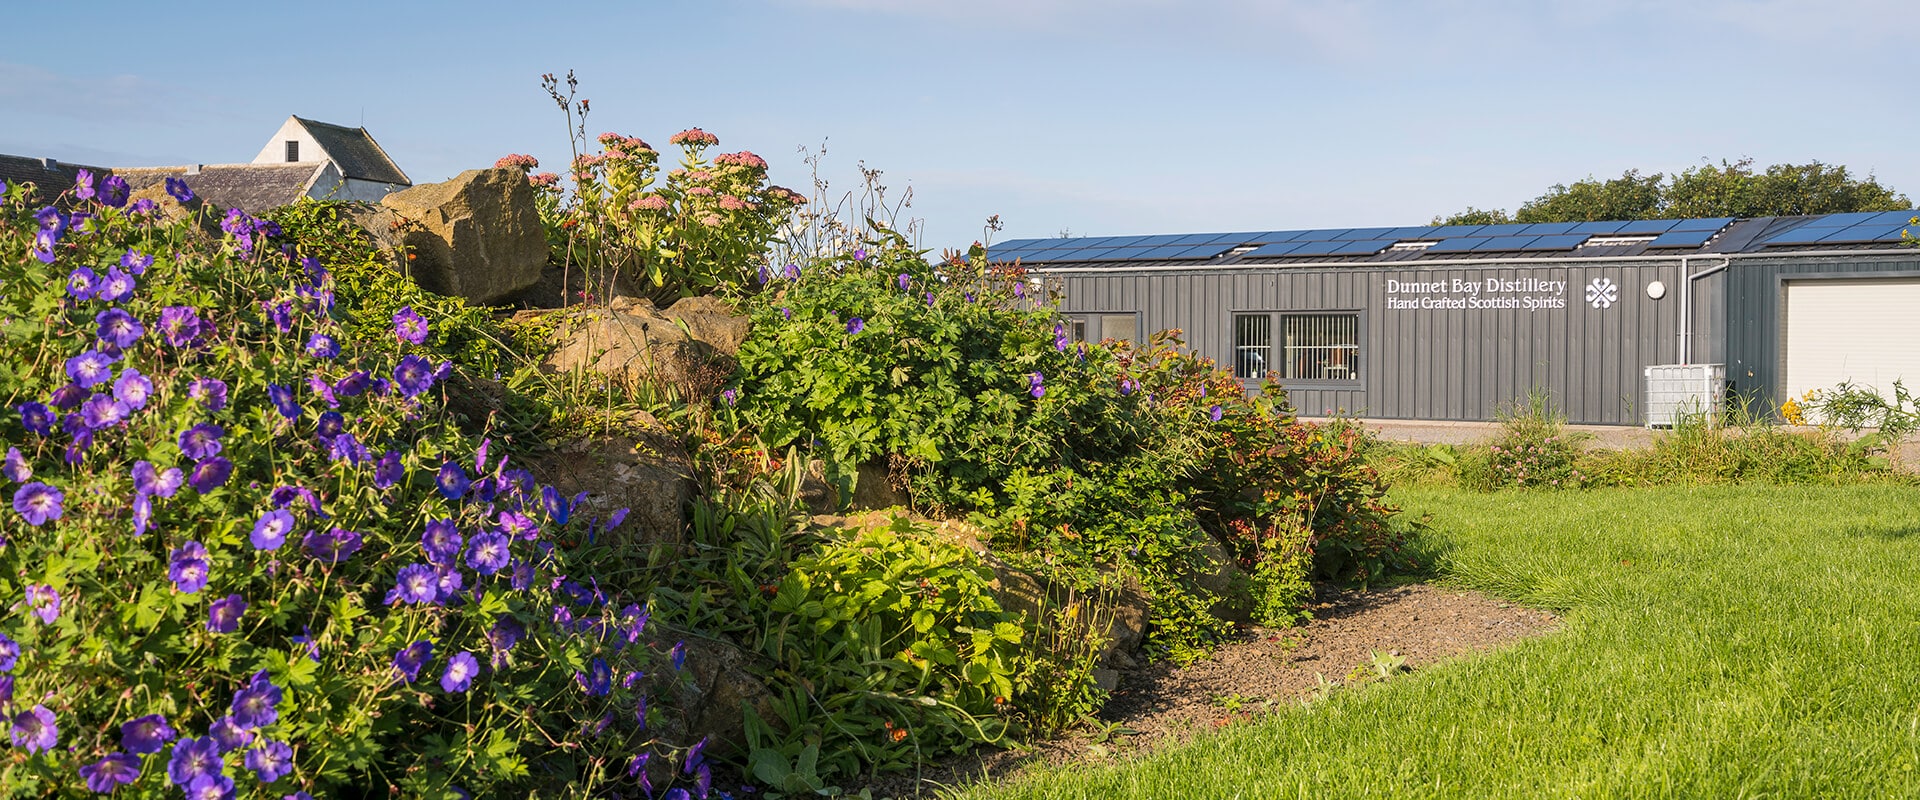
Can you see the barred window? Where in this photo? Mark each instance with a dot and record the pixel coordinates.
(293, 150)
(1297, 347)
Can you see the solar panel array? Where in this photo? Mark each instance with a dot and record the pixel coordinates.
(1459, 240)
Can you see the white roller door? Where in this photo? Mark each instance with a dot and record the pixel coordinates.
(1866, 331)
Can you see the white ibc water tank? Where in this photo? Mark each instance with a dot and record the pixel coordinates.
(1676, 392)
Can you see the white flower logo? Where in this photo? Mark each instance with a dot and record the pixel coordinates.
(1602, 293)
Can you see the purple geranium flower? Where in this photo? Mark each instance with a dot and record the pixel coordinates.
(280, 313)
(346, 447)
(905, 282)
(199, 442)
(34, 730)
(1036, 385)
(142, 513)
(39, 503)
(82, 283)
(597, 681)
(270, 532)
(68, 397)
(147, 481)
(856, 325)
(452, 481)
(83, 185)
(284, 497)
(460, 672)
(487, 553)
(181, 326)
(210, 787)
(15, 467)
(271, 762)
(90, 369)
(353, 385)
(104, 411)
(334, 546)
(1060, 338)
(1215, 413)
(146, 735)
(119, 328)
(321, 345)
(449, 585)
(228, 735)
(257, 705)
(193, 758)
(35, 417)
(189, 568)
(441, 541)
(518, 525)
(136, 262)
(224, 616)
(111, 771)
(679, 655)
(114, 191)
(558, 509)
(410, 326)
(133, 389)
(178, 188)
(117, 286)
(413, 375)
(506, 633)
(210, 391)
(330, 424)
(323, 390)
(416, 584)
(410, 659)
(388, 471)
(9, 653)
(210, 474)
(282, 399)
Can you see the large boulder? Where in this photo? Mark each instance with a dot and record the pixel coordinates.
(646, 476)
(477, 236)
(687, 347)
(708, 696)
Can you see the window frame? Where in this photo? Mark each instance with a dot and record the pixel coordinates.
(1276, 322)
(1090, 326)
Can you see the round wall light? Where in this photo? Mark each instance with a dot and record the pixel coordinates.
(1656, 290)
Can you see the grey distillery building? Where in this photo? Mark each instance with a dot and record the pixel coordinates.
(1620, 323)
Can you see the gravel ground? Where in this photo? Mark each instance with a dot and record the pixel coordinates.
(1160, 704)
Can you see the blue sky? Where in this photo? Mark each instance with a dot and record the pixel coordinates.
(1098, 117)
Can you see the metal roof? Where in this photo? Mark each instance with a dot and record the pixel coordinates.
(1866, 231)
(355, 151)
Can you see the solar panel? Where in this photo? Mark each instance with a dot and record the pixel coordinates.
(1508, 229)
(1897, 217)
(1096, 241)
(1365, 233)
(1504, 243)
(1195, 238)
(1646, 226)
(1204, 251)
(1458, 244)
(1412, 233)
(1804, 234)
(1163, 251)
(1872, 232)
(1270, 237)
(1319, 248)
(1367, 247)
(1322, 235)
(1446, 231)
(1276, 249)
(1680, 238)
(1597, 227)
(1546, 228)
(1846, 220)
(1561, 241)
(1160, 240)
(1017, 244)
(1710, 224)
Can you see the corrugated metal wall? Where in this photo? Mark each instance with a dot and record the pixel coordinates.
(1424, 362)
(1753, 333)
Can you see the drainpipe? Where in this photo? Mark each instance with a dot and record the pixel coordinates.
(1686, 303)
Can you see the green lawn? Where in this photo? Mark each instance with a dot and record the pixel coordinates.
(1725, 642)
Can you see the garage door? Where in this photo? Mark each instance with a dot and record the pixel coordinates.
(1865, 331)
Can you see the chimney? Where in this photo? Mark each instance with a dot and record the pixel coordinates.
(193, 169)
(48, 163)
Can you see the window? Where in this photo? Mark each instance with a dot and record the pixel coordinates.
(1096, 327)
(293, 150)
(1297, 347)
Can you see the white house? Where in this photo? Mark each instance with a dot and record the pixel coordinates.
(356, 167)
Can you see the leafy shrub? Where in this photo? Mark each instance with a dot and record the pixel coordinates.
(236, 539)
(1533, 450)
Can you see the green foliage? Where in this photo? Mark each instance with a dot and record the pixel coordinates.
(1731, 189)
(130, 636)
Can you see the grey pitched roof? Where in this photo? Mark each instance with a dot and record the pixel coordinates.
(253, 188)
(358, 155)
(49, 176)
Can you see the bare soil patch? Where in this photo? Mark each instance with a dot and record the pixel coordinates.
(1264, 669)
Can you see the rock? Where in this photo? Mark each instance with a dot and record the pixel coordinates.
(630, 340)
(167, 211)
(655, 486)
(709, 697)
(477, 236)
(1222, 577)
(875, 488)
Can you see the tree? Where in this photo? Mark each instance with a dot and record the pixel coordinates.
(1729, 189)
